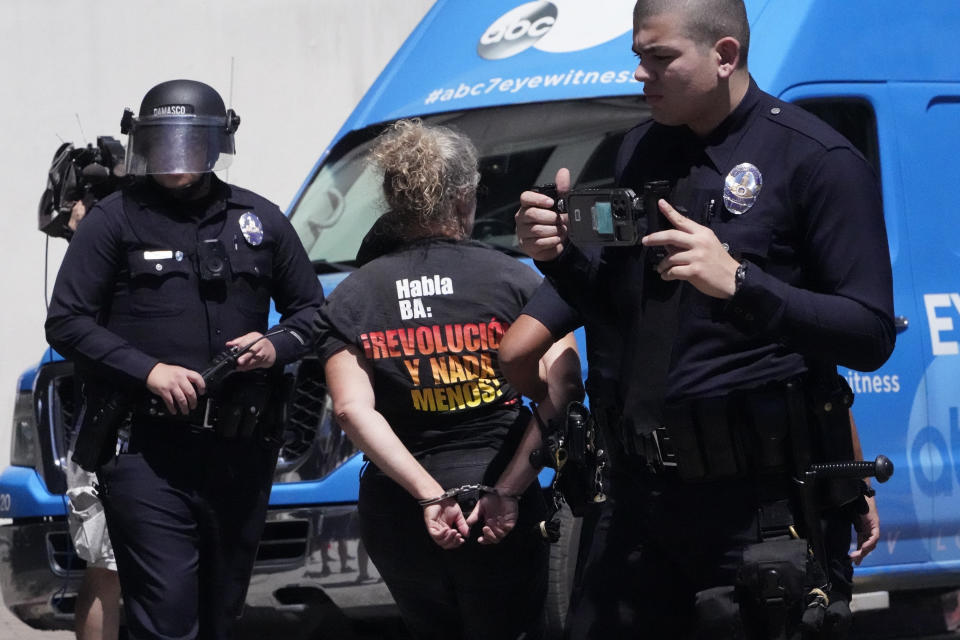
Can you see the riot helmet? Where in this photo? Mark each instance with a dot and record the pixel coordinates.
(183, 127)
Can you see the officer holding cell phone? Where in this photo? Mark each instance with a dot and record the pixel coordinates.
(162, 276)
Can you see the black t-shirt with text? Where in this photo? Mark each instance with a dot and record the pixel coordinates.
(429, 318)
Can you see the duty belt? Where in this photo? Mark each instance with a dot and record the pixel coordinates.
(207, 415)
(727, 436)
(203, 416)
(655, 450)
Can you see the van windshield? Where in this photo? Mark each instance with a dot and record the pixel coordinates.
(519, 146)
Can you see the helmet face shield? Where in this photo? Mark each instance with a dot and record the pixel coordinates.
(178, 144)
(183, 127)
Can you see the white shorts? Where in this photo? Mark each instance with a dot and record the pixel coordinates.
(87, 520)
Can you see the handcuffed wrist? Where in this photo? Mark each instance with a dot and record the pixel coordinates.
(503, 492)
(467, 488)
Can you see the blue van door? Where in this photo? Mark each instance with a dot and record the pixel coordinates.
(886, 401)
(928, 129)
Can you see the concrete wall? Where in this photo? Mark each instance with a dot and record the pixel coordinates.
(292, 69)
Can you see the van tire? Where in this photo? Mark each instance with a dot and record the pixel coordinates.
(563, 565)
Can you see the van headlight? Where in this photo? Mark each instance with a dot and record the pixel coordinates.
(25, 444)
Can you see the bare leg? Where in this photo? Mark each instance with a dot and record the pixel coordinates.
(98, 605)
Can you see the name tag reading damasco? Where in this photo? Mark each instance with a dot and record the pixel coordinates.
(158, 255)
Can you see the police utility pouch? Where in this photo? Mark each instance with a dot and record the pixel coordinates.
(704, 437)
(274, 418)
(773, 584)
(733, 435)
(242, 400)
(610, 217)
(769, 415)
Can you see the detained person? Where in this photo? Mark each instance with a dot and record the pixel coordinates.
(448, 503)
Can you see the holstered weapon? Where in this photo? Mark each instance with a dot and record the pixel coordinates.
(807, 475)
(571, 447)
(785, 581)
(103, 413)
(829, 399)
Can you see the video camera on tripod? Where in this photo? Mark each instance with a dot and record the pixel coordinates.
(78, 173)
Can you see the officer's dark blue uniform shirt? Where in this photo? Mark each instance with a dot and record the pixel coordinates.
(129, 294)
(818, 280)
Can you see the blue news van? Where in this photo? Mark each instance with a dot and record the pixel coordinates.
(547, 84)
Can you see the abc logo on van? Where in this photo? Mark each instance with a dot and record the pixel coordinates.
(559, 26)
(517, 30)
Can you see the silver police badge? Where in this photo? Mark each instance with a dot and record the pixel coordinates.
(252, 228)
(741, 188)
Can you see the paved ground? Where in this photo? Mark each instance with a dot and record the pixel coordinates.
(919, 619)
(316, 624)
(12, 629)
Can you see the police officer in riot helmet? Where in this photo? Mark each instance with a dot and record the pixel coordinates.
(166, 278)
(183, 130)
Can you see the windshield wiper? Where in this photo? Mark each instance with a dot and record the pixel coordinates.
(510, 251)
(327, 266)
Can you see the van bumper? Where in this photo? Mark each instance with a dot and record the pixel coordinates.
(307, 555)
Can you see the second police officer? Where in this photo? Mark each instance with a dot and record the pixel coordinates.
(160, 278)
(775, 271)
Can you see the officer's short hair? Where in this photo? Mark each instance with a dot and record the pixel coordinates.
(706, 20)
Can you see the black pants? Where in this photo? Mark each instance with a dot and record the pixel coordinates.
(185, 511)
(481, 592)
(661, 545)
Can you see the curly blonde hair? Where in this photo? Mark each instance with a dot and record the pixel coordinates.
(426, 170)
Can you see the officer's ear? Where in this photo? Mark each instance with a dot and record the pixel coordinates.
(727, 52)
